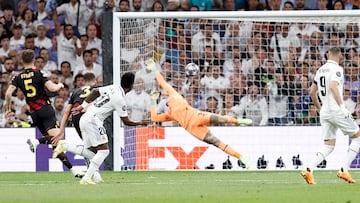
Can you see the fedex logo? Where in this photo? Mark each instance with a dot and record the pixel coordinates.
(137, 151)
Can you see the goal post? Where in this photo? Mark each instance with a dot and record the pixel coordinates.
(276, 51)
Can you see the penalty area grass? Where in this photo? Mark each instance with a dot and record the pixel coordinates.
(179, 186)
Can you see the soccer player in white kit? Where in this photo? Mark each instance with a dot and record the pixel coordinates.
(328, 85)
(106, 100)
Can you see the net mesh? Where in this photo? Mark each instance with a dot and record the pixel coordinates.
(250, 67)
(275, 61)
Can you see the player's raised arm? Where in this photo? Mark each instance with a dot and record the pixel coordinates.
(154, 95)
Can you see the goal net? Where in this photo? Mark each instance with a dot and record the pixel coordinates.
(256, 65)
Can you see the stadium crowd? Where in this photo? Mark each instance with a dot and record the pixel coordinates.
(255, 70)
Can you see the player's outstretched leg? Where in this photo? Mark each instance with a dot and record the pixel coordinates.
(219, 119)
(211, 139)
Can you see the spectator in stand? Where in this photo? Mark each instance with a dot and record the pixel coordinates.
(19, 102)
(206, 37)
(278, 100)
(349, 103)
(124, 6)
(66, 76)
(351, 38)
(17, 38)
(237, 86)
(30, 44)
(233, 63)
(59, 107)
(301, 5)
(288, 6)
(157, 6)
(254, 106)
(215, 83)
(137, 6)
(228, 103)
(254, 5)
(138, 102)
(253, 68)
(8, 19)
(322, 4)
(68, 44)
(27, 22)
(213, 105)
(206, 5)
(274, 5)
(93, 41)
(305, 110)
(49, 65)
(352, 78)
(209, 58)
(53, 53)
(5, 46)
(8, 66)
(130, 53)
(41, 40)
(40, 13)
(40, 64)
(229, 5)
(88, 65)
(84, 39)
(78, 19)
(96, 56)
(281, 45)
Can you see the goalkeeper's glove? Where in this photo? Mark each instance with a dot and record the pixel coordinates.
(345, 111)
(154, 95)
(151, 65)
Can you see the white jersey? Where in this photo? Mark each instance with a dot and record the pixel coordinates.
(111, 99)
(331, 71)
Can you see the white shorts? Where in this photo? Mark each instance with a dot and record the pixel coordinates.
(92, 131)
(330, 124)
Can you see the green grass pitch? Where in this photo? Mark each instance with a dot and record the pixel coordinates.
(179, 186)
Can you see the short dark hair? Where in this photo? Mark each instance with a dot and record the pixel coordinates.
(89, 77)
(27, 56)
(127, 80)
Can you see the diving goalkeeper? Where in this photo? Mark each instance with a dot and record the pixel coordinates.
(193, 120)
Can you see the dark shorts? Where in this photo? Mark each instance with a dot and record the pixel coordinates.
(44, 119)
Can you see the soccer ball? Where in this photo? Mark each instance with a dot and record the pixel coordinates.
(192, 69)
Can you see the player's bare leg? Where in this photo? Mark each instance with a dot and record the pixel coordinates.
(211, 139)
(220, 119)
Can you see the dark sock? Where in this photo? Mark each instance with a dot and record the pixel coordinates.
(44, 140)
(64, 160)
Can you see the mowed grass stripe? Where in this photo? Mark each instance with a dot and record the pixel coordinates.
(179, 186)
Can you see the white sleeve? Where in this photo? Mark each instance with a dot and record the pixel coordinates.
(337, 75)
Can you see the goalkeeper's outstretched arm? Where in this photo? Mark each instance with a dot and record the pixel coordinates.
(158, 117)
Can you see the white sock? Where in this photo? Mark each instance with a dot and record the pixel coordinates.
(351, 154)
(79, 150)
(324, 151)
(95, 163)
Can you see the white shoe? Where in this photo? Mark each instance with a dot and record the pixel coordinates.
(33, 143)
(87, 182)
(59, 148)
(97, 177)
(77, 173)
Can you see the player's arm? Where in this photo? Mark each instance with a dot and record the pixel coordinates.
(158, 117)
(154, 95)
(95, 93)
(65, 118)
(8, 95)
(53, 87)
(129, 122)
(314, 97)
